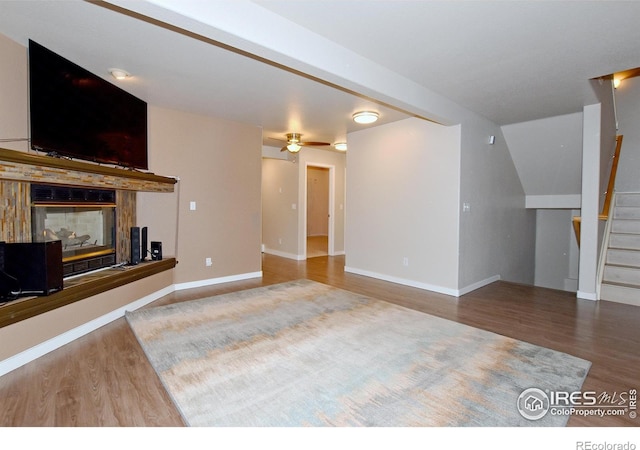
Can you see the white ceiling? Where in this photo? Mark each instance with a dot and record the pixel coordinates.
(511, 61)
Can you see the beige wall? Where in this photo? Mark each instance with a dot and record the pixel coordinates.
(14, 119)
(402, 199)
(279, 219)
(28, 333)
(218, 163)
(284, 201)
(219, 166)
(337, 162)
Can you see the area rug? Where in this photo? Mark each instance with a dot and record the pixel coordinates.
(306, 354)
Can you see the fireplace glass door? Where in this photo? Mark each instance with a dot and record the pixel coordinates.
(86, 229)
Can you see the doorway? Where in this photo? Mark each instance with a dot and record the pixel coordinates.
(319, 214)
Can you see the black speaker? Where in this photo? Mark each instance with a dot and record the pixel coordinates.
(156, 250)
(145, 248)
(135, 246)
(8, 284)
(37, 266)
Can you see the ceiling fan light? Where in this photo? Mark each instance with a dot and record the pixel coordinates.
(342, 146)
(365, 117)
(293, 147)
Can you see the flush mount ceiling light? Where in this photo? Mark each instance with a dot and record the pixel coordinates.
(119, 74)
(342, 146)
(365, 117)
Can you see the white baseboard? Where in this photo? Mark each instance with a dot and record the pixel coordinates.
(478, 285)
(273, 252)
(587, 295)
(403, 281)
(219, 280)
(49, 345)
(425, 286)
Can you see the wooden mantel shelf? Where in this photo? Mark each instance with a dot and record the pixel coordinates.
(29, 167)
(80, 288)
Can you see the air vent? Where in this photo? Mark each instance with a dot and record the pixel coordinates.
(72, 195)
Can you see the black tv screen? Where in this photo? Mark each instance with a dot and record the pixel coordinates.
(77, 114)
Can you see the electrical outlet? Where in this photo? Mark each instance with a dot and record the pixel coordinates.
(208, 262)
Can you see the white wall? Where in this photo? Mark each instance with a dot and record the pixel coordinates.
(556, 250)
(590, 202)
(547, 154)
(497, 234)
(402, 200)
(628, 106)
(598, 137)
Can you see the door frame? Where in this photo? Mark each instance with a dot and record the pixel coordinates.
(332, 190)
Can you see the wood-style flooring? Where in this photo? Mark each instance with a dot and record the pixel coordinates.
(317, 246)
(104, 379)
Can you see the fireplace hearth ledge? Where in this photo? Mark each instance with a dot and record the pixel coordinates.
(79, 288)
(29, 167)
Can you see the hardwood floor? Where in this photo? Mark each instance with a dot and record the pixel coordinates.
(317, 246)
(104, 379)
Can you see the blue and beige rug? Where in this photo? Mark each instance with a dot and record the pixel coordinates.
(307, 354)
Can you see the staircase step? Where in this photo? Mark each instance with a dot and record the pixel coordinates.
(623, 257)
(626, 212)
(621, 274)
(629, 199)
(625, 241)
(625, 226)
(620, 294)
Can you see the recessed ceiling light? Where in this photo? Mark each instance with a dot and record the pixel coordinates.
(365, 117)
(342, 146)
(119, 74)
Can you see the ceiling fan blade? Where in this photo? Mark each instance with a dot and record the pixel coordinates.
(314, 144)
(283, 148)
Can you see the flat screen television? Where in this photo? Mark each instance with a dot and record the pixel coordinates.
(77, 114)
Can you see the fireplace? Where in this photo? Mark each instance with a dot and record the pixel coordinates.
(83, 219)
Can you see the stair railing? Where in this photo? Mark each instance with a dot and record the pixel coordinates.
(606, 207)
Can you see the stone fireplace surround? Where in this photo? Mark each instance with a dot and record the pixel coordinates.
(18, 170)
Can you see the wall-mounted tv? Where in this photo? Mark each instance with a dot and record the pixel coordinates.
(77, 114)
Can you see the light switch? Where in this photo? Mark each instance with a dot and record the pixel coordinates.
(192, 206)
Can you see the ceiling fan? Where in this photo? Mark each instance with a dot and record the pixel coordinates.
(294, 144)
